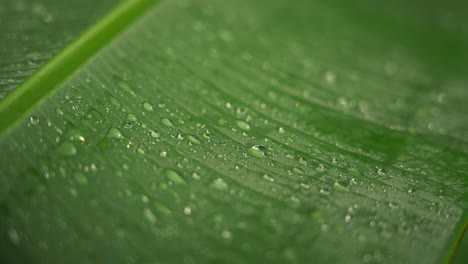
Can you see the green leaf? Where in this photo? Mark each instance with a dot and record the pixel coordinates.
(243, 131)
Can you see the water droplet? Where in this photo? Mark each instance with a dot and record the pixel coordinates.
(114, 101)
(281, 130)
(163, 154)
(75, 134)
(411, 191)
(219, 184)
(347, 218)
(14, 236)
(140, 150)
(226, 234)
(148, 106)
(149, 215)
(67, 148)
(167, 122)
(131, 117)
(302, 161)
(258, 151)
(243, 125)
(125, 86)
(393, 205)
(114, 133)
(180, 137)
(34, 120)
(160, 208)
(330, 76)
(298, 171)
(193, 139)
(222, 122)
(80, 178)
(289, 156)
(59, 111)
(340, 186)
(174, 177)
(268, 178)
(380, 172)
(187, 210)
(154, 134)
(207, 135)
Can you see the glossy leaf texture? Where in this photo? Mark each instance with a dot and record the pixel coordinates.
(32, 32)
(250, 131)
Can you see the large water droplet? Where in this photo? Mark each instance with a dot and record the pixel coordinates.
(148, 106)
(243, 125)
(167, 122)
(298, 171)
(125, 86)
(75, 134)
(258, 151)
(114, 133)
(67, 148)
(131, 117)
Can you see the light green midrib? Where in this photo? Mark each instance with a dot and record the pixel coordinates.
(20, 102)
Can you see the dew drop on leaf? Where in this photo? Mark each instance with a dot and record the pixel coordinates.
(131, 117)
(67, 149)
(243, 125)
(258, 151)
(219, 184)
(147, 106)
(193, 139)
(167, 122)
(114, 133)
(34, 120)
(174, 177)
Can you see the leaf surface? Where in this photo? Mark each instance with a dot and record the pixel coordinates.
(247, 131)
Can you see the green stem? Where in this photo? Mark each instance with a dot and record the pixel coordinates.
(49, 77)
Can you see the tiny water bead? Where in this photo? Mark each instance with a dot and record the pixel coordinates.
(174, 177)
(59, 111)
(115, 133)
(148, 107)
(258, 151)
(167, 122)
(243, 125)
(219, 184)
(266, 177)
(67, 149)
(34, 120)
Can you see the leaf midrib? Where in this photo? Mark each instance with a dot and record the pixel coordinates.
(48, 78)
